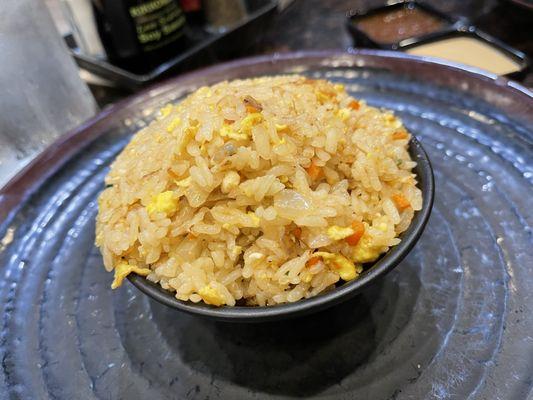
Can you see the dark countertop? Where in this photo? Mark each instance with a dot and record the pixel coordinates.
(320, 24)
(316, 24)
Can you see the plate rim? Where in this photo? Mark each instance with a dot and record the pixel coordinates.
(30, 178)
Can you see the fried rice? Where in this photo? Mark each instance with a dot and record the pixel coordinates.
(258, 192)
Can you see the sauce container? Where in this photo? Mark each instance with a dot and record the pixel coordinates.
(421, 30)
(475, 48)
(388, 26)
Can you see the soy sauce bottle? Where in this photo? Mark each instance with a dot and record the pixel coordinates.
(139, 35)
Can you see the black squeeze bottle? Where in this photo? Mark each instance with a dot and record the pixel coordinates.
(139, 35)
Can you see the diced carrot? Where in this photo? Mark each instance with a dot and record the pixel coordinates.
(228, 121)
(251, 109)
(400, 135)
(401, 202)
(314, 171)
(354, 105)
(297, 232)
(359, 231)
(312, 261)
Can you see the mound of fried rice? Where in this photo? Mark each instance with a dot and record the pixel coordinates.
(258, 192)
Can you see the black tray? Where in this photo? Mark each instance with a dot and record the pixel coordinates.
(361, 39)
(455, 27)
(207, 48)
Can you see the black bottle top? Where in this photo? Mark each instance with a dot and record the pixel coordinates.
(138, 35)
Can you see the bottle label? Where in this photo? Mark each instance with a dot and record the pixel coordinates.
(158, 23)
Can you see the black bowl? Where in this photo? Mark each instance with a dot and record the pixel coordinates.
(341, 293)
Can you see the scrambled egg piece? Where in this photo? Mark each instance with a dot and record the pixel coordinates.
(392, 121)
(165, 111)
(347, 269)
(165, 202)
(321, 96)
(255, 219)
(205, 91)
(211, 296)
(382, 227)
(343, 114)
(122, 270)
(245, 131)
(184, 182)
(193, 127)
(336, 232)
(249, 121)
(230, 181)
(97, 239)
(236, 250)
(227, 131)
(173, 124)
(189, 132)
(264, 275)
(307, 278)
(363, 252)
(338, 87)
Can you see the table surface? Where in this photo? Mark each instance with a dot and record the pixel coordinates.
(320, 24)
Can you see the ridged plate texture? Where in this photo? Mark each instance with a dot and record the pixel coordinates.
(452, 321)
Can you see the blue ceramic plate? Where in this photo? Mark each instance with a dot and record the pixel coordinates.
(451, 321)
